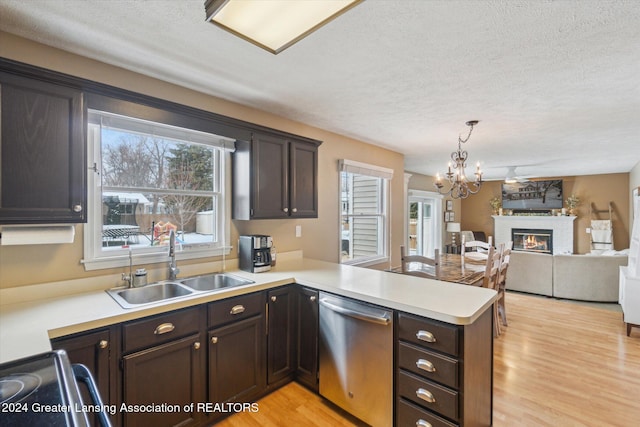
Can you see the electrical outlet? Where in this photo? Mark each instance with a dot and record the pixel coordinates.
(298, 231)
(588, 230)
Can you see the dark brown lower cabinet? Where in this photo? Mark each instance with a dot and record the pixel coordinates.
(170, 374)
(237, 362)
(307, 337)
(281, 345)
(98, 351)
(444, 372)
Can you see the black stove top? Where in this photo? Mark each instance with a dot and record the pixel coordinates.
(40, 390)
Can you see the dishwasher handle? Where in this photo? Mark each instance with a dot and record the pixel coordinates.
(381, 320)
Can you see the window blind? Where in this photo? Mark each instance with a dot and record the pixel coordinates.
(132, 125)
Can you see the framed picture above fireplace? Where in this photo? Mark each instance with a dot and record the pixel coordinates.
(532, 195)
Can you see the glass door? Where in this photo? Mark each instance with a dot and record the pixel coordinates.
(425, 226)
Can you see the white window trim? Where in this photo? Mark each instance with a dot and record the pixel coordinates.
(352, 166)
(92, 261)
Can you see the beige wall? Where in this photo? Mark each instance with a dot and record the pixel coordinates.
(24, 265)
(596, 189)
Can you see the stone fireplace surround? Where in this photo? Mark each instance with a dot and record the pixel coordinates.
(562, 227)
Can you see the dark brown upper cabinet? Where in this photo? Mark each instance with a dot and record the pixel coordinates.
(43, 165)
(275, 177)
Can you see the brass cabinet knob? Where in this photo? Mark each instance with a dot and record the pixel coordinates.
(286, 209)
(103, 344)
(196, 345)
(214, 340)
(164, 328)
(312, 298)
(237, 309)
(274, 298)
(77, 208)
(294, 210)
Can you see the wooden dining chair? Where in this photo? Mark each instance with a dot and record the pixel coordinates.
(408, 259)
(492, 268)
(490, 280)
(502, 281)
(475, 250)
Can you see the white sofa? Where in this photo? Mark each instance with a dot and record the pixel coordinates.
(530, 272)
(587, 277)
(579, 277)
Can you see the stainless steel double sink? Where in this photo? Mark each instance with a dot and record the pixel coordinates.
(168, 290)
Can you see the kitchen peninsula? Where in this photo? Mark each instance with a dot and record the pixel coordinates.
(460, 313)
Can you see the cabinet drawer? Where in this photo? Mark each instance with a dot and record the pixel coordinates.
(428, 333)
(236, 308)
(155, 330)
(430, 365)
(409, 414)
(429, 395)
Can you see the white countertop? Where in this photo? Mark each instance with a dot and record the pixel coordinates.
(27, 326)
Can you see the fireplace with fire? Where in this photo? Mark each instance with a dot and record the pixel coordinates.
(532, 240)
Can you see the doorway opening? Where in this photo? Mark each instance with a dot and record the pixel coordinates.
(425, 227)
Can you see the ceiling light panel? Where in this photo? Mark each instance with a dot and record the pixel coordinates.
(274, 25)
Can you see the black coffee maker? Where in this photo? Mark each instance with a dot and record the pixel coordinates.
(255, 253)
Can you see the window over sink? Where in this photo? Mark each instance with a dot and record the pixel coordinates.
(147, 179)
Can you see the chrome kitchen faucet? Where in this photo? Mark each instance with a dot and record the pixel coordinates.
(173, 267)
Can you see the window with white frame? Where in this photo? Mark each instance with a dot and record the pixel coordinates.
(150, 179)
(364, 217)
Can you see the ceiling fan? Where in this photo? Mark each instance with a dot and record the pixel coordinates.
(512, 177)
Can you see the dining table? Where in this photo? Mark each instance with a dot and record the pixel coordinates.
(453, 268)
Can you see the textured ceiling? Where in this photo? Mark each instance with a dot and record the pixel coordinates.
(555, 84)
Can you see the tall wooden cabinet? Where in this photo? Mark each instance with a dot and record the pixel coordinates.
(42, 152)
(275, 177)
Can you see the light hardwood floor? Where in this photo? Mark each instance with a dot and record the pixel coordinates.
(557, 364)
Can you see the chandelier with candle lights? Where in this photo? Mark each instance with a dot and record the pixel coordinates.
(460, 186)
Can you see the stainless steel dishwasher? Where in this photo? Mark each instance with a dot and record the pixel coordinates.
(356, 358)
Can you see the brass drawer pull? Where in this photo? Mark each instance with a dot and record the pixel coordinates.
(164, 328)
(237, 309)
(103, 344)
(196, 345)
(425, 365)
(425, 395)
(214, 340)
(426, 336)
(423, 423)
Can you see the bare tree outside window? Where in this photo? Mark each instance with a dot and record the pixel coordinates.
(187, 174)
(174, 178)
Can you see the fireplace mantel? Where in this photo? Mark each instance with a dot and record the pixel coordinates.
(562, 227)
